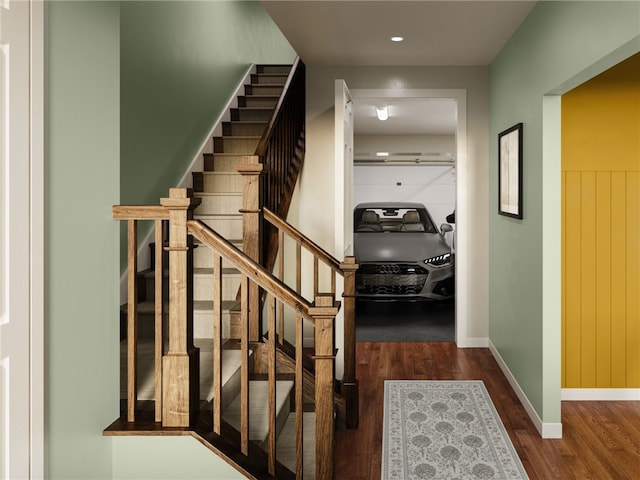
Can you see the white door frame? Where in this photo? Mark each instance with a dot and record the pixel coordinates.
(462, 222)
(23, 240)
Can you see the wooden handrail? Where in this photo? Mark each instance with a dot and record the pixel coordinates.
(254, 271)
(304, 241)
(140, 212)
(261, 148)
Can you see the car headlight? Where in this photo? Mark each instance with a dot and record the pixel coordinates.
(439, 261)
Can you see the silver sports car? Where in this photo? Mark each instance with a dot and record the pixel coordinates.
(401, 253)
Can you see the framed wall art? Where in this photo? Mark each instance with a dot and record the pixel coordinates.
(510, 172)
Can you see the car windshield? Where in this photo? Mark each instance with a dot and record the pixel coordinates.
(382, 219)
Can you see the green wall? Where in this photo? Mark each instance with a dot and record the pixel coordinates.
(82, 182)
(559, 45)
(180, 63)
(131, 88)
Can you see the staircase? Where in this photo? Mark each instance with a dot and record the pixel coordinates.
(220, 189)
(200, 365)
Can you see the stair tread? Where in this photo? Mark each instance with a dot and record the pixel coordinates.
(217, 194)
(207, 305)
(219, 216)
(248, 122)
(221, 172)
(259, 407)
(286, 444)
(241, 137)
(231, 361)
(209, 271)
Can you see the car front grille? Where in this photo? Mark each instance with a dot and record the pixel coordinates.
(390, 279)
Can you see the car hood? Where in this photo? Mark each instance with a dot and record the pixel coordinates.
(398, 247)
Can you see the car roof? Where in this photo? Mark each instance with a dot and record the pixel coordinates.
(390, 205)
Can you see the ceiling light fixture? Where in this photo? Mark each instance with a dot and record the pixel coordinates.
(382, 113)
(382, 154)
(397, 39)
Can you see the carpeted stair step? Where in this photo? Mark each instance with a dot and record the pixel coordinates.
(236, 144)
(244, 128)
(258, 101)
(224, 203)
(203, 318)
(274, 68)
(222, 162)
(203, 283)
(263, 89)
(286, 445)
(269, 78)
(220, 182)
(231, 361)
(251, 114)
(203, 256)
(259, 410)
(227, 226)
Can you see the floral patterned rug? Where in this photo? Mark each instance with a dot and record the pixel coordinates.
(447, 430)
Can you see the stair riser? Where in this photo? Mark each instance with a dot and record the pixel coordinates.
(221, 183)
(246, 146)
(203, 257)
(250, 115)
(219, 204)
(203, 324)
(267, 79)
(263, 89)
(280, 69)
(257, 101)
(222, 163)
(227, 227)
(253, 129)
(203, 287)
(281, 420)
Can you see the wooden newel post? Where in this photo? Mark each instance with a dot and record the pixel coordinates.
(251, 211)
(180, 365)
(349, 381)
(324, 312)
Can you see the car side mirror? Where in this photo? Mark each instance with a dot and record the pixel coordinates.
(445, 227)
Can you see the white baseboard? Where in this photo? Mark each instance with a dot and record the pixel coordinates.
(546, 430)
(601, 394)
(473, 342)
(197, 164)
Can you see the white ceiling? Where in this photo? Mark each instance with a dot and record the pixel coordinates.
(436, 33)
(407, 116)
(357, 32)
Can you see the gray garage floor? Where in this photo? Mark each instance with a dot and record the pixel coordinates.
(405, 321)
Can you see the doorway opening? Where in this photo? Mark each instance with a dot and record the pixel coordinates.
(425, 164)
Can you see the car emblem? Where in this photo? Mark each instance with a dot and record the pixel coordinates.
(389, 268)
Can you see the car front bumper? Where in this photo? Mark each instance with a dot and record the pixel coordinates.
(405, 281)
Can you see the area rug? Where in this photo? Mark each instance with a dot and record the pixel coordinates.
(446, 430)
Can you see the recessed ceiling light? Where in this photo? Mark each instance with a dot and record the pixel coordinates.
(397, 39)
(382, 154)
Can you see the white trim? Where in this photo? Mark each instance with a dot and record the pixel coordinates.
(197, 164)
(601, 394)
(37, 253)
(546, 430)
(474, 342)
(462, 240)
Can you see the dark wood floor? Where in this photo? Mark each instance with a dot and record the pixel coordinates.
(601, 439)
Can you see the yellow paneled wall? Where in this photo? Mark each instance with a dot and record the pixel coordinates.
(601, 230)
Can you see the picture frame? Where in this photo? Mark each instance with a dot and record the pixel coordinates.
(510, 171)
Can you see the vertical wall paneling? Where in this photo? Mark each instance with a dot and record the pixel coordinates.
(603, 233)
(601, 230)
(618, 275)
(633, 279)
